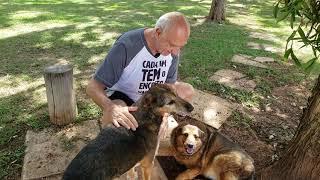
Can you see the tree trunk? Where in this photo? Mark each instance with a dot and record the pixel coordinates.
(217, 11)
(302, 159)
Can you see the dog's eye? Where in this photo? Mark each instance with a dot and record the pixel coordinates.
(195, 136)
(171, 102)
(185, 134)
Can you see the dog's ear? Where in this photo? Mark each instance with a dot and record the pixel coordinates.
(174, 134)
(161, 100)
(153, 99)
(165, 87)
(147, 100)
(202, 135)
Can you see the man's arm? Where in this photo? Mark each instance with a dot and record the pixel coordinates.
(112, 112)
(96, 92)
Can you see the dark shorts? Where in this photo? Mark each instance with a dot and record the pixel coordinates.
(121, 96)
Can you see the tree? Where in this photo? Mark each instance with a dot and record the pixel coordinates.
(307, 30)
(301, 160)
(217, 11)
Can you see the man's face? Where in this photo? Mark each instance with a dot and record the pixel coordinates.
(171, 41)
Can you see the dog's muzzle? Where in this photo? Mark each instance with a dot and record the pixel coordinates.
(190, 149)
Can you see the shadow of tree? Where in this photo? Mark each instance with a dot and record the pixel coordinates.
(263, 13)
(24, 52)
(216, 45)
(73, 35)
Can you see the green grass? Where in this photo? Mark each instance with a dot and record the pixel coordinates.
(240, 119)
(36, 34)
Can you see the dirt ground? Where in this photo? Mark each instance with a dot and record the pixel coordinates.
(267, 132)
(272, 126)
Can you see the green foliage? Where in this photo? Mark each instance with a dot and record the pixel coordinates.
(308, 27)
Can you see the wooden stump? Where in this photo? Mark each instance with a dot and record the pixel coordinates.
(60, 94)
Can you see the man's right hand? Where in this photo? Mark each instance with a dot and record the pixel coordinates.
(114, 111)
(120, 116)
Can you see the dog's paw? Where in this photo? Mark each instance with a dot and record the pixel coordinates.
(180, 177)
(188, 174)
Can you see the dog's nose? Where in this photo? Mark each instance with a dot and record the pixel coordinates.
(190, 145)
(189, 107)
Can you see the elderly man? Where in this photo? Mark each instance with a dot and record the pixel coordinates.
(137, 60)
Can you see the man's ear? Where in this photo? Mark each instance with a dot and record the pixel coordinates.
(158, 32)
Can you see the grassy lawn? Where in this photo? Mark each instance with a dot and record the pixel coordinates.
(36, 34)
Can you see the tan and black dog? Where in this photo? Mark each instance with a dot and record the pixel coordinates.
(205, 151)
(116, 150)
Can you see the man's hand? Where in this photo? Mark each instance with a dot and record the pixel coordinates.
(120, 115)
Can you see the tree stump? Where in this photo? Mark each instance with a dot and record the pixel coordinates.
(60, 94)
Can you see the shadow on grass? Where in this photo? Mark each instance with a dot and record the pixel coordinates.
(261, 10)
(25, 54)
(34, 50)
(215, 46)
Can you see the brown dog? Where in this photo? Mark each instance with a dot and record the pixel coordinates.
(116, 150)
(205, 151)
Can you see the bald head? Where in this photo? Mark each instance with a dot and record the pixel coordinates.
(173, 20)
(171, 33)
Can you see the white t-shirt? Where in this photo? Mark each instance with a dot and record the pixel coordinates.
(131, 68)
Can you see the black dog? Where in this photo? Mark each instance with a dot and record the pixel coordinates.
(116, 150)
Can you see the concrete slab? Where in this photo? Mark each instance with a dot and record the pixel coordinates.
(229, 74)
(254, 45)
(211, 109)
(49, 152)
(233, 79)
(247, 60)
(264, 59)
(244, 84)
(263, 36)
(265, 47)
